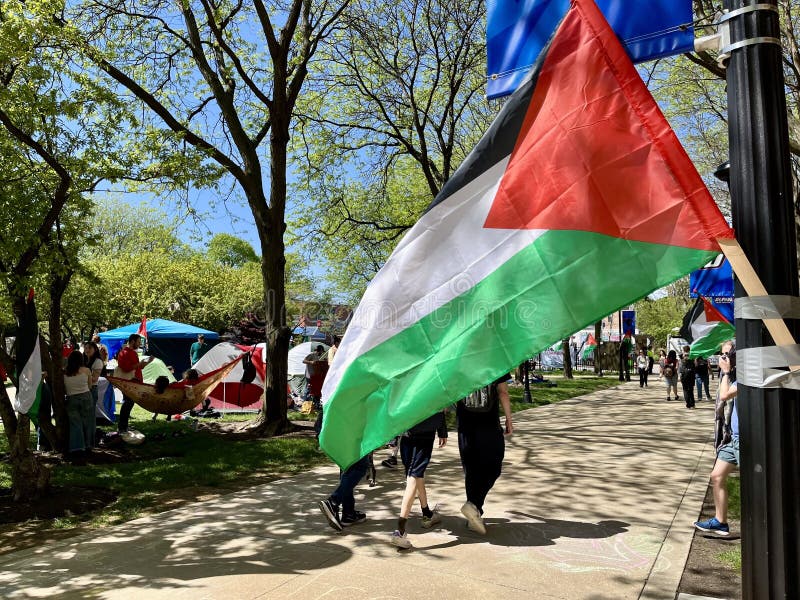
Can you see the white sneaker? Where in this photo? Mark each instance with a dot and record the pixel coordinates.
(434, 519)
(400, 540)
(473, 515)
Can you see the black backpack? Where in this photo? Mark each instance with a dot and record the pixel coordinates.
(248, 368)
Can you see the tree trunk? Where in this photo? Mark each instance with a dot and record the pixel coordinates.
(567, 358)
(598, 336)
(272, 419)
(29, 478)
(60, 435)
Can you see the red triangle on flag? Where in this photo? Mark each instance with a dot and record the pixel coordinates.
(712, 313)
(142, 331)
(596, 154)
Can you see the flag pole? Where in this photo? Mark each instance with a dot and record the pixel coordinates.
(763, 217)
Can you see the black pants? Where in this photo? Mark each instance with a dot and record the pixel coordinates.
(688, 392)
(642, 377)
(482, 452)
(124, 414)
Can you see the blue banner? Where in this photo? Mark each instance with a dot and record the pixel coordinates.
(517, 30)
(713, 281)
(629, 322)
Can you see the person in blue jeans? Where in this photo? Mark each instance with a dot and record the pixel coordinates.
(701, 377)
(342, 497)
(728, 452)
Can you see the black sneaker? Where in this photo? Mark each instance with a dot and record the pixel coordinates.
(331, 512)
(354, 519)
(390, 463)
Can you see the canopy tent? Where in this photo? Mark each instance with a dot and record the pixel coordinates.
(168, 340)
(310, 333)
(231, 391)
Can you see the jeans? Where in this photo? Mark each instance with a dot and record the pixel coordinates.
(482, 451)
(702, 381)
(89, 418)
(348, 480)
(124, 414)
(76, 415)
(642, 377)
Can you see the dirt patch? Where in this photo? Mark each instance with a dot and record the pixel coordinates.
(243, 430)
(705, 574)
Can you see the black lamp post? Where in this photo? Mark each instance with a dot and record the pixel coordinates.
(526, 395)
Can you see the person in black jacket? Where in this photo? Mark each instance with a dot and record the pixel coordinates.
(416, 448)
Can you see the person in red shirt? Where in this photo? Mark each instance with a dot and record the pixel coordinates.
(129, 366)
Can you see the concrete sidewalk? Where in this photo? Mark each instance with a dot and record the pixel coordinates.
(596, 501)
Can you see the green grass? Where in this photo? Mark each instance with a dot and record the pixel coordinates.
(191, 462)
(196, 462)
(733, 557)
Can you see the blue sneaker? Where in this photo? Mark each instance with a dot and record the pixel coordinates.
(713, 526)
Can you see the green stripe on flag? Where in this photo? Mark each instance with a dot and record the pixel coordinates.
(563, 281)
(710, 343)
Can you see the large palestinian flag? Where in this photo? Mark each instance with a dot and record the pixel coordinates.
(705, 328)
(29, 362)
(578, 201)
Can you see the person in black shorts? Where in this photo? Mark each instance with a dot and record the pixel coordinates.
(481, 445)
(416, 447)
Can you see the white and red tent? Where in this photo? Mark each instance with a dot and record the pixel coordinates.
(232, 392)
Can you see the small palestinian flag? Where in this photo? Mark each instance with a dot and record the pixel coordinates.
(588, 347)
(578, 201)
(705, 328)
(142, 331)
(29, 362)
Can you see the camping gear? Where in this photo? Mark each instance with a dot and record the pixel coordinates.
(179, 396)
(168, 340)
(231, 391)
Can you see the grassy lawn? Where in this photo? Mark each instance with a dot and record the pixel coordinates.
(733, 557)
(187, 464)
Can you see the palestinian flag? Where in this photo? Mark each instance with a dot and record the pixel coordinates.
(29, 362)
(705, 328)
(142, 331)
(588, 347)
(578, 201)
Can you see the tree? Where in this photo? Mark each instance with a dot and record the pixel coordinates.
(227, 249)
(397, 105)
(56, 139)
(657, 318)
(212, 93)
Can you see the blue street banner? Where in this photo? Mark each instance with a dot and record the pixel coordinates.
(517, 30)
(629, 322)
(713, 281)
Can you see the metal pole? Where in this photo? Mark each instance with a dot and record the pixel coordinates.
(761, 197)
(526, 395)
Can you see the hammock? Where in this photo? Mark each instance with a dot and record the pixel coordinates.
(179, 396)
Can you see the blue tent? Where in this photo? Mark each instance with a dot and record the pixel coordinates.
(168, 340)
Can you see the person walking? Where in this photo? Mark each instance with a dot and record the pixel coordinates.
(481, 445)
(642, 367)
(343, 497)
(416, 448)
(669, 371)
(701, 377)
(198, 349)
(687, 375)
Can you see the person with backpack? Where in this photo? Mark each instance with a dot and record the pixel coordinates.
(481, 445)
(701, 377)
(641, 365)
(687, 374)
(416, 448)
(669, 372)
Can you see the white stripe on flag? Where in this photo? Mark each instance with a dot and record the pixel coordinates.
(425, 273)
